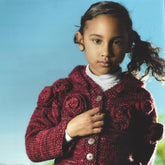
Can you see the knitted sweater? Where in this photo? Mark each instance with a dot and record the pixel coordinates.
(130, 133)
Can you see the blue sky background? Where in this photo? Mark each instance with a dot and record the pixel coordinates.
(36, 48)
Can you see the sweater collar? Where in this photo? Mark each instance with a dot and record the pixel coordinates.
(79, 76)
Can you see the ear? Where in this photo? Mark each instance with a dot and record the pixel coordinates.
(80, 40)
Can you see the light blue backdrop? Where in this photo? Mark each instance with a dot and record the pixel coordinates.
(36, 48)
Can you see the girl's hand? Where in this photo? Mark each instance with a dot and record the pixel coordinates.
(87, 123)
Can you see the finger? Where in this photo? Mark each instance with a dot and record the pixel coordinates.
(94, 111)
(98, 124)
(97, 130)
(98, 117)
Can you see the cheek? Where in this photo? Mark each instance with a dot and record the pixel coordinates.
(119, 56)
(118, 51)
(90, 50)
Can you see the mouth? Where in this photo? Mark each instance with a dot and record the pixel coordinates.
(104, 63)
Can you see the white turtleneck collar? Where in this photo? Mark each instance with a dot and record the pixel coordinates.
(105, 81)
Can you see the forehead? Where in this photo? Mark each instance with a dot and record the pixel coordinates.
(104, 23)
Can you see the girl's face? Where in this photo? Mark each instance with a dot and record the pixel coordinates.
(105, 40)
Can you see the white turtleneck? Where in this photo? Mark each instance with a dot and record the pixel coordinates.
(105, 81)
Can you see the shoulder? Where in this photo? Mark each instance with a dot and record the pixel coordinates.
(62, 85)
(58, 88)
(133, 85)
(141, 97)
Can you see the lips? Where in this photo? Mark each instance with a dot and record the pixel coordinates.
(104, 63)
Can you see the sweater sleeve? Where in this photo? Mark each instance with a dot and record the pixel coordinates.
(146, 130)
(153, 131)
(45, 135)
(146, 116)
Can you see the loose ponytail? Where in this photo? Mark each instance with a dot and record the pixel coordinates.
(141, 52)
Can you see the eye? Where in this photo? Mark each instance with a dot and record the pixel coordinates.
(117, 42)
(97, 41)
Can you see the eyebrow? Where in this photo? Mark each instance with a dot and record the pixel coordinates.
(98, 35)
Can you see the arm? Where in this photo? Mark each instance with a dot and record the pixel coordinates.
(46, 130)
(153, 129)
(148, 131)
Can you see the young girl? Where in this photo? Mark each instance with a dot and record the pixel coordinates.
(99, 115)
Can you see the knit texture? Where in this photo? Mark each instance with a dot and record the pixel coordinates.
(130, 133)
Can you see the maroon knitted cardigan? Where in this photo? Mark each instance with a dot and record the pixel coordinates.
(128, 138)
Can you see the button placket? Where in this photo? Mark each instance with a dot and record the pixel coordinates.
(91, 149)
(99, 102)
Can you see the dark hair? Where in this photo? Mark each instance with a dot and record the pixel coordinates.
(141, 52)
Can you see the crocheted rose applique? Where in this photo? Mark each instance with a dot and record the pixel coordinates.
(155, 133)
(121, 117)
(61, 88)
(62, 85)
(45, 97)
(74, 104)
(146, 106)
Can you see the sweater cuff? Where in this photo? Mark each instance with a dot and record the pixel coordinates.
(155, 133)
(67, 137)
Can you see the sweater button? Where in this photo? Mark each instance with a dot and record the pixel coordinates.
(99, 98)
(90, 156)
(91, 141)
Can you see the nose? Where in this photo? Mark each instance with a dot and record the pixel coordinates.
(107, 51)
